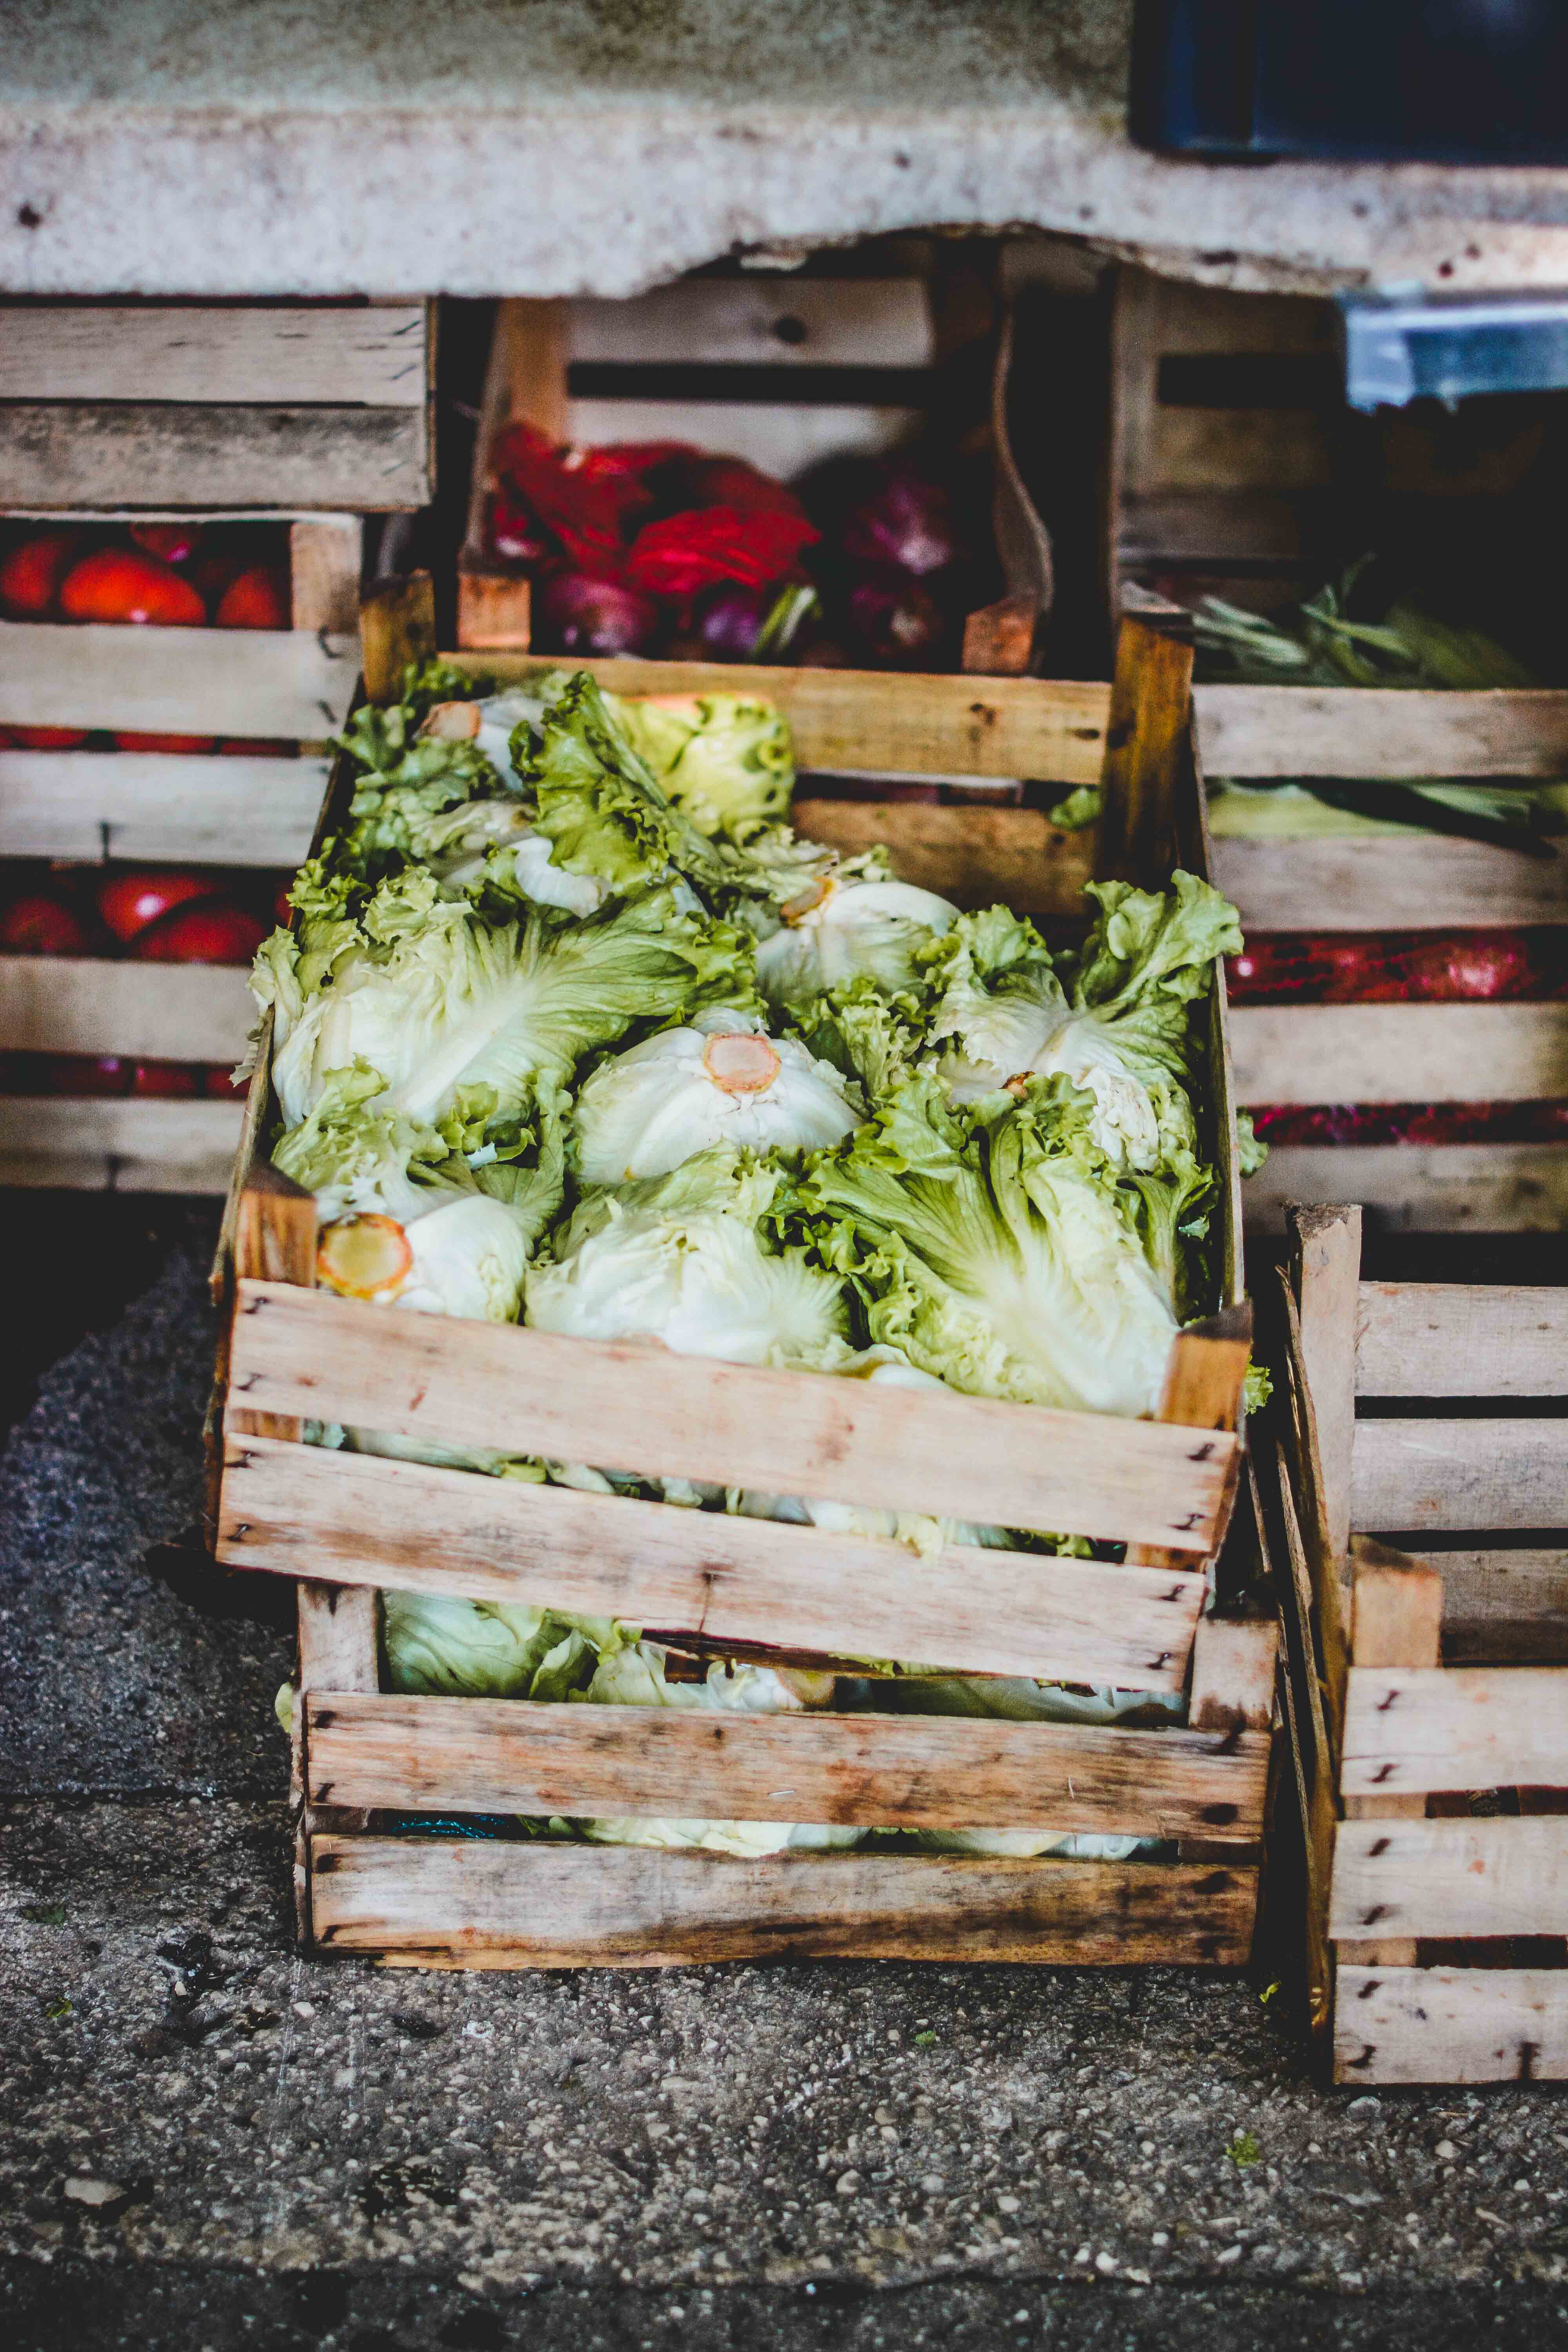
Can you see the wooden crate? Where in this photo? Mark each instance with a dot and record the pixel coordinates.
(237, 407)
(1429, 1697)
(353, 1523)
(136, 807)
(652, 367)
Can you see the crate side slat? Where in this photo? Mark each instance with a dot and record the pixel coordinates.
(574, 1906)
(133, 1146)
(1483, 1188)
(1387, 731)
(889, 1771)
(368, 355)
(826, 323)
(572, 1400)
(357, 1518)
(1450, 1476)
(1454, 1338)
(177, 1012)
(1452, 1877)
(1453, 1727)
(143, 805)
(59, 457)
(1451, 2025)
(1504, 1607)
(1405, 881)
(972, 855)
(269, 682)
(1399, 1053)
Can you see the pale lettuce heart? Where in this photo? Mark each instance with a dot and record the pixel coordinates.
(840, 928)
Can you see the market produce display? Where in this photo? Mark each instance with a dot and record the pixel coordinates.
(571, 1027)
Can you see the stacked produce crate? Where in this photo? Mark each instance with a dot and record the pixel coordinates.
(203, 468)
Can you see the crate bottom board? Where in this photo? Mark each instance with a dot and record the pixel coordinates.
(1450, 2025)
(58, 1143)
(1438, 1188)
(446, 1902)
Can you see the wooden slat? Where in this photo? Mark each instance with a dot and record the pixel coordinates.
(578, 1400)
(1504, 1607)
(57, 456)
(1205, 1375)
(1451, 2025)
(1455, 1474)
(142, 805)
(177, 1012)
(1310, 730)
(972, 855)
(769, 321)
(1442, 1879)
(325, 556)
(1399, 1053)
(1485, 1188)
(1412, 1729)
(1148, 733)
(881, 723)
(275, 1232)
(371, 354)
(571, 1907)
(1396, 1621)
(1325, 1265)
(1407, 881)
(1233, 1673)
(54, 1143)
(175, 681)
(498, 1756)
(783, 437)
(361, 1520)
(1453, 1339)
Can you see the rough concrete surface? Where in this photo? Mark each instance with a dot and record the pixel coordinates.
(205, 2141)
(261, 147)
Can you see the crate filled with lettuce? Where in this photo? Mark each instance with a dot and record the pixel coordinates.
(786, 1523)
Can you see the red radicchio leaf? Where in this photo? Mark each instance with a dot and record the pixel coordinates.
(688, 551)
(732, 482)
(576, 504)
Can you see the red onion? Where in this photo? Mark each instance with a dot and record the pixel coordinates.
(581, 615)
(905, 522)
(895, 620)
(732, 622)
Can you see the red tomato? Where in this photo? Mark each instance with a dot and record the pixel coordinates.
(122, 584)
(212, 931)
(43, 739)
(257, 599)
(128, 902)
(218, 1082)
(39, 924)
(172, 542)
(123, 742)
(166, 1079)
(31, 573)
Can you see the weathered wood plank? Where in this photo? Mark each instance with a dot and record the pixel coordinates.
(788, 322)
(287, 682)
(500, 1756)
(71, 1004)
(1462, 1339)
(1441, 1878)
(358, 1518)
(53, 1142)
(1325, 1267)
(275, 1229)
(1398, 1053)
(1414, 1729)
(142, 805)
(1451, 2025)
(573, 1399)
(1233, 1673)
(783, 437)
(1407, 881)
(1454, 1475)
(56, 457)
(370, 355)
(1205, 1375)
(1310, 730)
(1504, 1607)
(571, 1907)
(325, 555)
(972, 855)
(1483, 1188)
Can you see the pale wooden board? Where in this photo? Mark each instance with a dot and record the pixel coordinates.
(1325, 1265)
(118, 1146)
(1485, 1188)
(1455, 1877)
(1451, 2025)
(574, 1906)
(140, 805)
(59, 457)
(361, 1519)
(783, 438)
(972, 855)
(1399, 1053)
(502, 1755)
(1449, 1476)
(1408, 881)
(881, 723)
(1412, 1729)
(1454, 1338)
(847, 322)
(373, 355)
(1504, 1607)
(170, 1012)
(270, 682)
(630, 1408)
(1351, 731)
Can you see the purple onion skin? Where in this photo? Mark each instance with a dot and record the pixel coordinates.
(897, 621)
(580, 615)
(906, 522)
(731, 623)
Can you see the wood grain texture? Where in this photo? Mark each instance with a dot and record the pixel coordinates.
(534, 1906)
(1146, 745)
(501, 1755)
(767, 321)
(1325, 1267)
(495, 611)
(397, 626)
(1504, 1607)
(56, 457)
(358, 1518)
(1205, 1379)
(1233, 1674)
(269, 682)
(1398, 1053)
(361, 355)
(573, 1399)
(1451, 2025)
(50, 1142)
(71, 1004)
(1410, 1728)
(145, 806)
(1483, 1188)
(1456, 1474)
(325, 560)
(783, 437)
(1408, 881)
(275, 1232)
(1462, 1339)
(1398, 1608)
(1441, 1878)
(1310, 730)
(972, 855)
